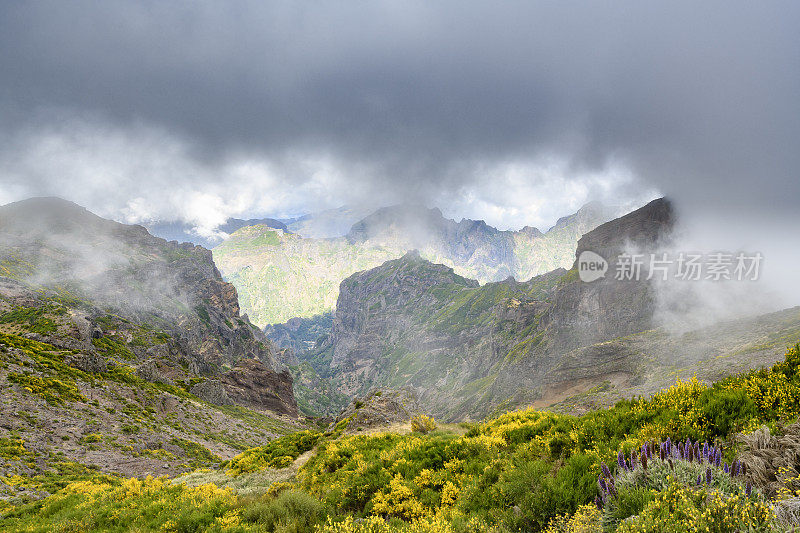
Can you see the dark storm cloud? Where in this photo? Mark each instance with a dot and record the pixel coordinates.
(699, 100)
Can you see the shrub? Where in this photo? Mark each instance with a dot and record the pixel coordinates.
(290, 511)
(422, 424)
(725, 410)
(681, 508)
(279, 453)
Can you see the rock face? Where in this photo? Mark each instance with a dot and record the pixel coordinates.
(252, 384)
(281, 276)
(467, 349)
(212, 391)
(138, 300)
(299, 335)
(380, 408)
(586, 313)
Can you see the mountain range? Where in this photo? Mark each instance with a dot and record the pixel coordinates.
(283, 275)
(468, 350)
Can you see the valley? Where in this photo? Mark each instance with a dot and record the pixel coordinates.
(421, 400)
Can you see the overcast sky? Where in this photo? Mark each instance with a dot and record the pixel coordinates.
(512, 112)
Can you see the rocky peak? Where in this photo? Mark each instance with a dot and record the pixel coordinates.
(645, 228)
(585, 313)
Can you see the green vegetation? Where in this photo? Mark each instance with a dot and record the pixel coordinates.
(522, 471)
(34, 319)
(113, 348)
(53, 390)
(279, 453)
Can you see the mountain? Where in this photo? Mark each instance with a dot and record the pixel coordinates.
(115, 338)
(182, 232)
(281, 276)
(327, 224)
(468, 350)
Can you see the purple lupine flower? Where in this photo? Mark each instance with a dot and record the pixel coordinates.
(718, 458)
(605, 470)
(633, 459)
(598, 503)
(621, 460)
(612, 489)
(669, 444)
(708, 476)
(699, 481)
(697, 451)
(705, 450)
(686, 448)
(726, 469)
(748, 489)
(602, 483)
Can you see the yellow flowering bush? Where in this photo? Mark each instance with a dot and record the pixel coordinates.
(680, 508)
(147, 505)
(585, 520)
(422, 424)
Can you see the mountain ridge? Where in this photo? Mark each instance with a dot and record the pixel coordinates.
(282, 276)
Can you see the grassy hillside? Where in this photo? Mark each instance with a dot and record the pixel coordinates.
(690, 458)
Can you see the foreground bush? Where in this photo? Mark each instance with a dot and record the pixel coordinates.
(148, 505)
(422, 424)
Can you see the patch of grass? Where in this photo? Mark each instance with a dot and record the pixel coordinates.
(113, 348)
(53, 390)
(33, 319)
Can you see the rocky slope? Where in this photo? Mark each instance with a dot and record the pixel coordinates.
(282, 276)
(130, 349)
(468, 350)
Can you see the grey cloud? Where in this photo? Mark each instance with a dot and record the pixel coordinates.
(701, 101)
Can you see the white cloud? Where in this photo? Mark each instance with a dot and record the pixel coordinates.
(143, 174)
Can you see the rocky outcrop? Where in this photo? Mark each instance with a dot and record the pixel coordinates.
(586, 313)
(91, 363)
(212, 391)
(252, 384)
(379, 408)
(126, 295)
